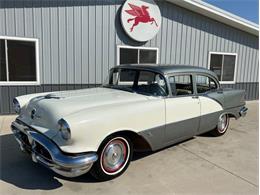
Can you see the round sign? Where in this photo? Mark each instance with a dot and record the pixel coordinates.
(141, 19)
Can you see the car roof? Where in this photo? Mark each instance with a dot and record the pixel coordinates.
(169, 69)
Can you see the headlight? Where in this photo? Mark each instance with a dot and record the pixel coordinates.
(64, 129)
(16, 105)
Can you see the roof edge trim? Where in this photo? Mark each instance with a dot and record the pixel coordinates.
(218, 14)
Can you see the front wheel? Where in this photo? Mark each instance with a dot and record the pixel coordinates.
(222, 126)
(115, 155)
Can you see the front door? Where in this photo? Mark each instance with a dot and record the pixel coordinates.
(182, 110)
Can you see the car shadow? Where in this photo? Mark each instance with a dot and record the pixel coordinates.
(140, 155)
(207, 134)
(18, 169)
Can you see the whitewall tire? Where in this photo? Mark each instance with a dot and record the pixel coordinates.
(222, 126)
(115, 155)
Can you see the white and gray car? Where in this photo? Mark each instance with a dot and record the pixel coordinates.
(138, 108)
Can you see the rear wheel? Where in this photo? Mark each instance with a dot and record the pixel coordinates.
(115, 155)
(222, 126)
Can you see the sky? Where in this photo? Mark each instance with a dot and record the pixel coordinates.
(247, 9)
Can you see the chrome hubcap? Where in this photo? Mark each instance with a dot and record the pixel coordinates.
(114, 155)
(222, 123)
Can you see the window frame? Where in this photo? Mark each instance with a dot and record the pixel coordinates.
(235, 69)
(181, 74)
(138, 48)
(206, 75)
(36, 41)
(136, 79)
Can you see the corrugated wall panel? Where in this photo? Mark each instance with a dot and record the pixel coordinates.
(19, 22)
(78, 41)
(54, 43)
(92, 43)
(46, 39)
(173, 16)
(2, 19)
(62, 44)
(112, 40)
(116, 20)
(163, 37)
(85, 42)
(256, 69)
(240, 75)
(37, 25)
(99, 45)
(183, 39)
(70, 43)
(28, 19)
(105, 42)
(67, 29)
(10, 19)
(179, 37)
(169, 37)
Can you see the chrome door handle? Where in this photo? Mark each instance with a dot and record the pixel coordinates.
(195, 97)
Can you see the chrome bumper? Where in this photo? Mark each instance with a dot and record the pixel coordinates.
(243, 111)
(45, 152)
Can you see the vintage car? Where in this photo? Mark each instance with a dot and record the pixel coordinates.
(138, 108)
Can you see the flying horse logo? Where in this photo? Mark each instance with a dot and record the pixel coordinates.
(141, 15)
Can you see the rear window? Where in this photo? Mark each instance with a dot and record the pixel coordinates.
(205, 84)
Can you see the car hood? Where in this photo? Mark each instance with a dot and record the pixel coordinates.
(48, 109)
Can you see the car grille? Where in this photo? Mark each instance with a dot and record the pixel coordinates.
(42, 151)
(38, 148)
(24, 139)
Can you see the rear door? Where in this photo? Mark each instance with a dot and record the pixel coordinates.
(182, 109)
(210, 99)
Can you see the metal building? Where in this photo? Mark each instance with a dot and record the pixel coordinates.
(65, 44)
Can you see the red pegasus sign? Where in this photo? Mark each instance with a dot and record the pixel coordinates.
(141, 15)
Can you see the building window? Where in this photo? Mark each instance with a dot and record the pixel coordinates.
(224, 65)
(18, 61)
(137, 55)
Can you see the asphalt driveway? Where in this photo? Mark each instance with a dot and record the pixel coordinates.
(204, 164)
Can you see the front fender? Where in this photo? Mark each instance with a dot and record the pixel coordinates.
(91, 126)
(25, 99)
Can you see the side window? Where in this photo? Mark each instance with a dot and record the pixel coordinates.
(204, 84)
(151, 83)
(181, 85)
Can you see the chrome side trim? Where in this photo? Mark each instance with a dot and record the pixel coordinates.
(61, 163)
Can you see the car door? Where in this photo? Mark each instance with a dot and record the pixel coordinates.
(211, 100)
(182, 109)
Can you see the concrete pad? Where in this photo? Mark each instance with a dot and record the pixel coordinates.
(239, 147)
(202, 165)
(5, 122)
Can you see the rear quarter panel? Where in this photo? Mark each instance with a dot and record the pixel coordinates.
(233, 98)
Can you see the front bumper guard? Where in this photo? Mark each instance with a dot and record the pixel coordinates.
(61, 163)
(243, 111)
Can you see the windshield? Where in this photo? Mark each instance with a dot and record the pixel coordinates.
(137, 81)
